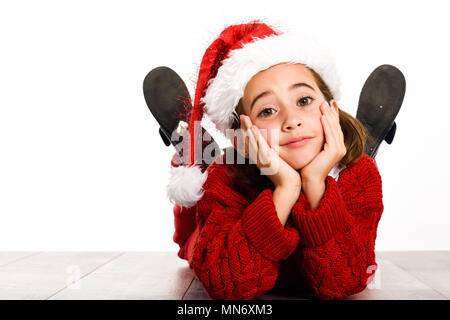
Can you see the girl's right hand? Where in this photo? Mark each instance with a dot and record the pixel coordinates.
(268, 160)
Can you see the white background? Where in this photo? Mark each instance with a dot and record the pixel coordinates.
(82, 166)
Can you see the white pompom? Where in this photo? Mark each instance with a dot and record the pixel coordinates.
(185, 185)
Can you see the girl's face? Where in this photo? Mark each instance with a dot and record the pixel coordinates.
(285, 98)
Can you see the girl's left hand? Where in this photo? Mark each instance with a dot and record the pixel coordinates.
(333, 150)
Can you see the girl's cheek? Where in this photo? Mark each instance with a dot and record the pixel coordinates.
(318, 123)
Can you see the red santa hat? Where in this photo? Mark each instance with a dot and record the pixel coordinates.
(240, 52)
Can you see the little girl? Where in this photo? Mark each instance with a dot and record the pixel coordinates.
(307, 226)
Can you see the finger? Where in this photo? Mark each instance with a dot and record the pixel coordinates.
(338, 128)
(244, 146)
(325, 109)
(336, 136)
(241, 141)
(253, 145)
(334, 123)
(263, 147)
(333, 120)
(340, 133)
(250, 142)
(243, 123)
(336, 113)
(331, 112)
(248, 122)
(329, 134)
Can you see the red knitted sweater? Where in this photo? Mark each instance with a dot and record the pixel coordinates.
(240, 250)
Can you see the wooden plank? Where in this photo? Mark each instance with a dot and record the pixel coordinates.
(7, 257)
(430, 267)
(394, 283)
(163, 275)
(196, 291)
(39, 276)
(390, 283)
(135, 275)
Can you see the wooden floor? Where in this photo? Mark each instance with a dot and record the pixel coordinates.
(162, 275)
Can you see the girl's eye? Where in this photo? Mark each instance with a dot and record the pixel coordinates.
(303, 100)
(264, 114)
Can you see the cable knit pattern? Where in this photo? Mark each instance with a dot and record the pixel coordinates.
(336, 253)
(241, 243)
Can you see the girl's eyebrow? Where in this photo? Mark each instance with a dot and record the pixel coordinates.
(265, 93)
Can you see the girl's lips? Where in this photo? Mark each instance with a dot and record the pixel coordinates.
(297, 144)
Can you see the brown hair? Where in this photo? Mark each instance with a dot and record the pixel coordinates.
(354, 140)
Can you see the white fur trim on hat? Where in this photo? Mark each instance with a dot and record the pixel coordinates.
(185, 185)
(225, 90)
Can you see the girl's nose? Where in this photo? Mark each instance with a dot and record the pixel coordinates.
(290, 127)
(292, 121)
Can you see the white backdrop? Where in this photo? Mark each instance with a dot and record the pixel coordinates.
(82, 166)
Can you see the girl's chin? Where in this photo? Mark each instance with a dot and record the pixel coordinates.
(299, 162)
(298, 158)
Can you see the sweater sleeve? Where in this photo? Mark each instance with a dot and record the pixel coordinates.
(184, 222)
(336, 253)
(238, 249)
